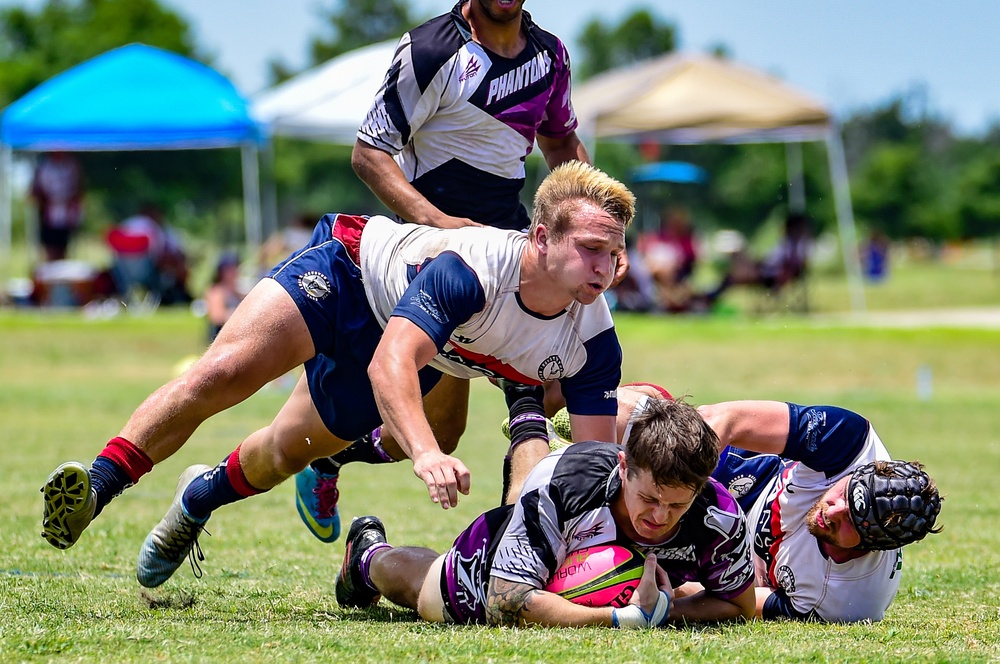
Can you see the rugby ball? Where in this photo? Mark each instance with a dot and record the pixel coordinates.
(602, 575)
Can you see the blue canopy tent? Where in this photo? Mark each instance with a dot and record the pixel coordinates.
(670, 171)
(135, 97)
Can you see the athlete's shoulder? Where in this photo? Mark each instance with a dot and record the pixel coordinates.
(434, 44)
(580, 472)
(719, 510)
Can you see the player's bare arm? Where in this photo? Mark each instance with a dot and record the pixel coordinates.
(705, 606)
(761, 595)
(507, 602)
(510, 603)
(382, 174)
(560, 150)
(402, 352)
(758, 426)
(593, 427)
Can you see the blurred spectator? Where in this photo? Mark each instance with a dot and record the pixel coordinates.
(787, 263)
(669, 255)
(148, 253)
(224, 294)
(636, 291)
(284, 241)
(57, 188)
(875, 256)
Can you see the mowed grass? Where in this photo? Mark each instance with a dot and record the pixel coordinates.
(267, 591)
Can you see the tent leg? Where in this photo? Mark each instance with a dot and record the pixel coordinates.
(845, 217)
(6, 208)
(796, 182)
(251, 200)
(269, 192)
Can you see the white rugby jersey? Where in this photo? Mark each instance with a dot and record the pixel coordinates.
(461, 287)
(787, 556)
(460, 120)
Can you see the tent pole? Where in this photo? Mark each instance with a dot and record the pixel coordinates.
(251, 199)
(6, 208)
(269, 191)
(845, 217)
(796, 182)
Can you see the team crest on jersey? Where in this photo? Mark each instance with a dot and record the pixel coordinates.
(741, 485)
(315, 285)
(588, 533)
(785, 578)
(550, 368)
(471, 70)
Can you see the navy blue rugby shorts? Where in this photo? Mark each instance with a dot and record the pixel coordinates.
(324, 280)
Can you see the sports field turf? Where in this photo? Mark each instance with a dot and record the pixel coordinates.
(267, 592)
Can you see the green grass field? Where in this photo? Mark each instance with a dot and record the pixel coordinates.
(267, 593)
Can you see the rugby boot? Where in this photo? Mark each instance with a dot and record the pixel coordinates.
(69, 504)
(364, 533)
(316, 497)
(174, 538)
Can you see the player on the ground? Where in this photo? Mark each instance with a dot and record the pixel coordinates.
(377, 311)
(829, 508)
(465, 99)
(655, 493)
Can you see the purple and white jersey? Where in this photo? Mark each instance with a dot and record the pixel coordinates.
(462, 287)
(828, 443)
(460, 120)
(566, 506)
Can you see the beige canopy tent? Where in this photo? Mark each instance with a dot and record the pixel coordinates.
(688, 99)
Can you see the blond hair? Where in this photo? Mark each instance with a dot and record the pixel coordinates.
(576, 182)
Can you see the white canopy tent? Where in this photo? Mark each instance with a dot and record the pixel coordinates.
(328, 102)
(690, 99)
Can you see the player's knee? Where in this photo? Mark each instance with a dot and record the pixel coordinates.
(289, 450)
(430, 603)
(287, 460)
(449, 433)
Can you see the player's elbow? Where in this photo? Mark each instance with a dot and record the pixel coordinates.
(358, 162)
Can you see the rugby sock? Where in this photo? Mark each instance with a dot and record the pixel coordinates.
(225, 484)
(119, 465)
(367, 449)
(366, 562)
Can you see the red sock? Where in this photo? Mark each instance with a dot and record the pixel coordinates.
(237, 479)
(128, 457)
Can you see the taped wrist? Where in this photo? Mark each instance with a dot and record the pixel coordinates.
(633, 617)
(527, 421)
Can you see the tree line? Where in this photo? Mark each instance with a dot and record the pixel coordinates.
(911, 174)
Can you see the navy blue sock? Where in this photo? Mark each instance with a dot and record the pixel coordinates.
(107, 480)
(226, 484)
